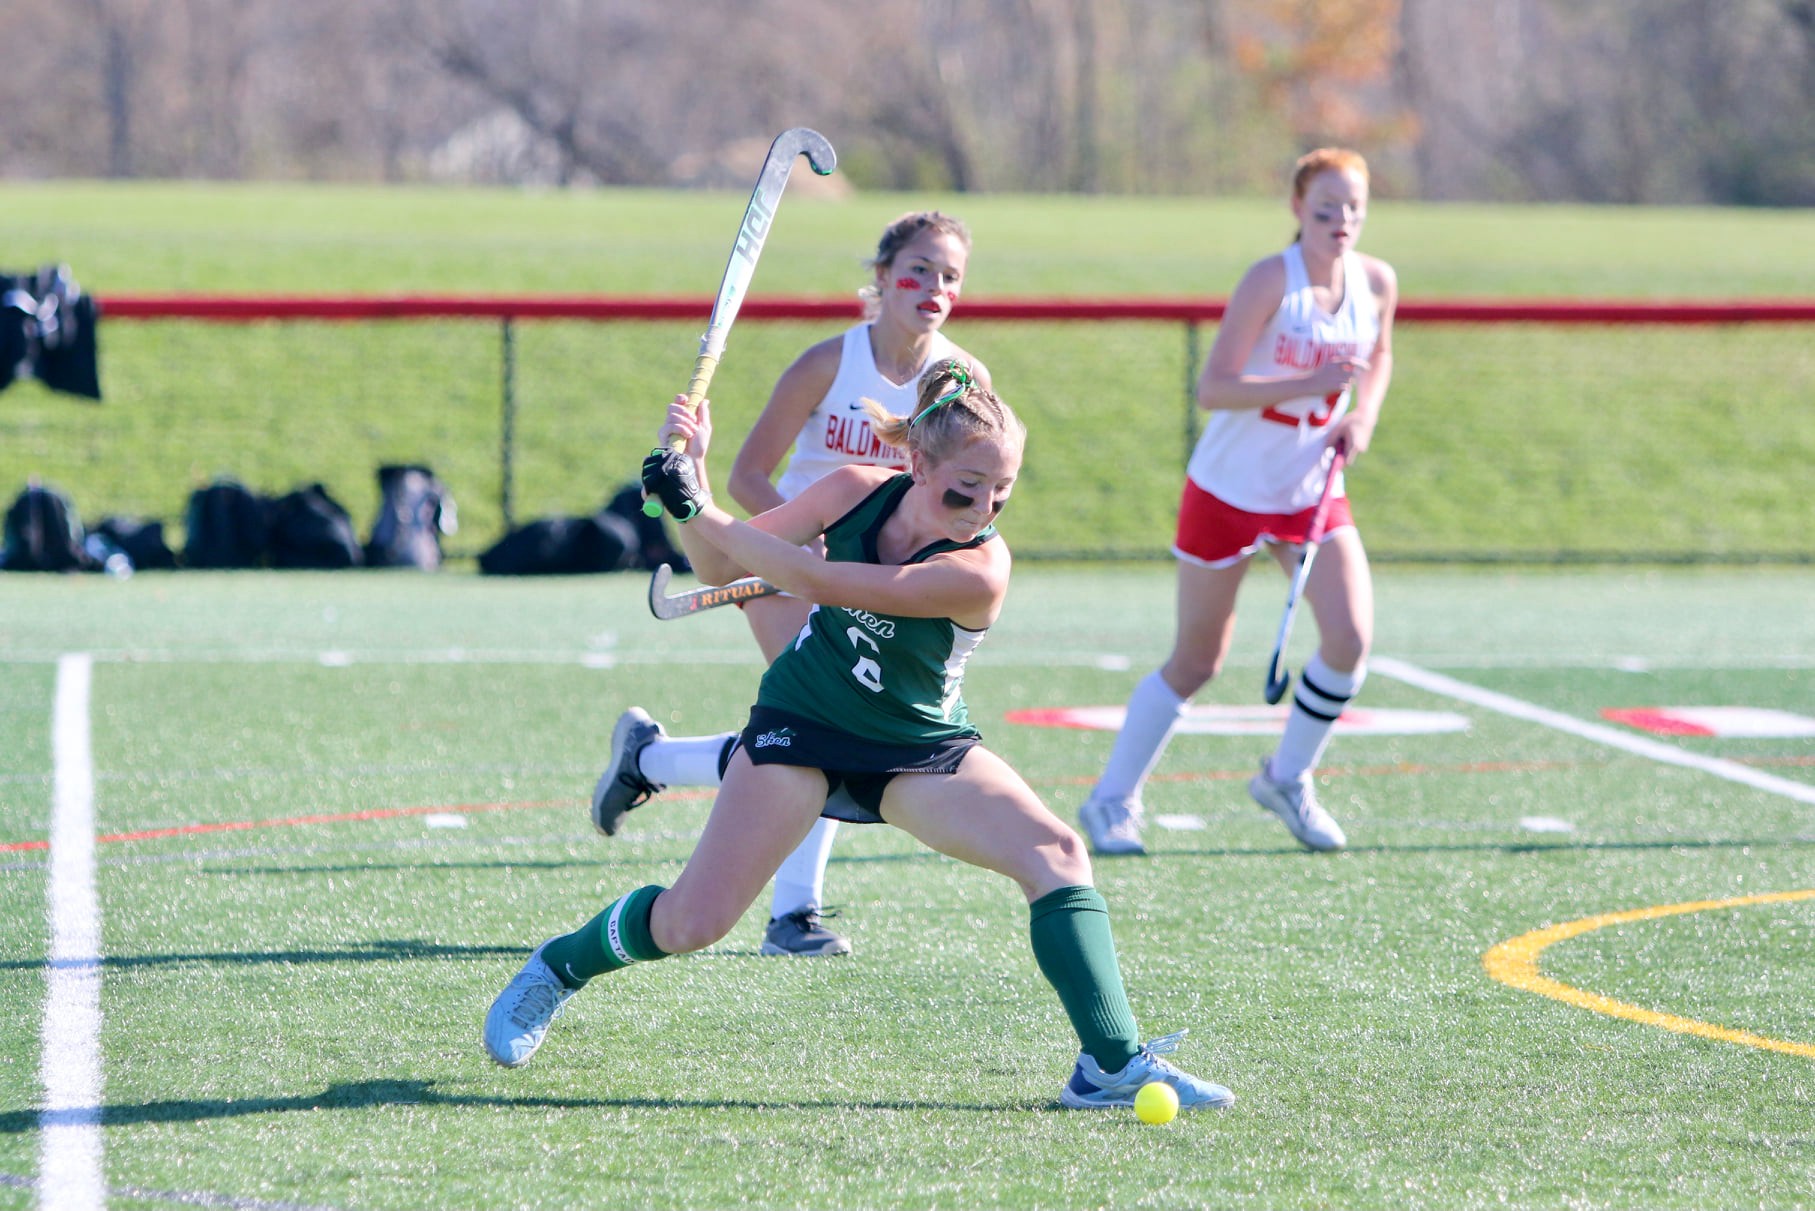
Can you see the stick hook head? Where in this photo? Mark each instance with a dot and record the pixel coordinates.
(1277, 680)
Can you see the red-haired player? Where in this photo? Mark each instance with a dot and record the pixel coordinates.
(1300, 367)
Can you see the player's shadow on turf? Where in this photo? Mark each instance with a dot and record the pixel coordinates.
(386, 950)
(391, 868)
(502, 864)
(361, 1095)
(1482, 847)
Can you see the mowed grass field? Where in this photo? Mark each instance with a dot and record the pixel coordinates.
(1521, 440)
(335, 811)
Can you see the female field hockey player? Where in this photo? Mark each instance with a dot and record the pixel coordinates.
(1299, 369)
(868, 699)
(816, 408)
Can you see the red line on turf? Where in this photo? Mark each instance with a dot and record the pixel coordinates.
(376, 813)
(1402, 768)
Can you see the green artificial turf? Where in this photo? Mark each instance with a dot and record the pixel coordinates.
(335, 812)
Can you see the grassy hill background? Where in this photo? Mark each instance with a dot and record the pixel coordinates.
(1521, 441)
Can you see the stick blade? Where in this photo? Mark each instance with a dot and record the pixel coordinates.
(1278, 680)
(658, 590)
(805, 141)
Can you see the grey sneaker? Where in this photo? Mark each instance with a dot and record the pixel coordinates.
(1295, 803)
(519, 1017)
(1090, 1088)
(800, 933)
(622, 785)
(1113, 825)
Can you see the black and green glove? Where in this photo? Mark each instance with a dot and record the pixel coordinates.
(673, 478)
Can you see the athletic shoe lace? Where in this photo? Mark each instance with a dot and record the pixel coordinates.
(642, 789)
(538, 1003)
(808, 919)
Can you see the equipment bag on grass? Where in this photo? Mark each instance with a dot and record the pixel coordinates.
(414, 511)
(227, 526)
(310, 529)
(43, 534)
(563, 546)
(142, 541)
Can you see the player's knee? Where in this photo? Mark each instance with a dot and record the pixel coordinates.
(1345, 649)
(1186, 673)
(1064, 861)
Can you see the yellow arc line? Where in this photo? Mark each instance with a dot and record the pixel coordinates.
(1515, 963)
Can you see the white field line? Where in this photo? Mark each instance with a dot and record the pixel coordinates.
(1641, 746)
(69, 1152)
(1008, 654)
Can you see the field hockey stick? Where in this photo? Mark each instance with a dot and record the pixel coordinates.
(751, 233)
(668, 607)
(1278, 676)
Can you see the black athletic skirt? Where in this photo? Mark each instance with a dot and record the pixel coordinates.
(857, 770)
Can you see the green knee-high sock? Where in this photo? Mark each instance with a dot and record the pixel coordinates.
(1076, 953)
(615, 938)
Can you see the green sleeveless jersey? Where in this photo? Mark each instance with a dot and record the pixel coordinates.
(880, 676)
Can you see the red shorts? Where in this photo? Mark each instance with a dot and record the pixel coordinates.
(1216, 534)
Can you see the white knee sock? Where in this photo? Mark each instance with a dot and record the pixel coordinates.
(683, 760)
(1153, 711)
(801, 880)
(1320, 696)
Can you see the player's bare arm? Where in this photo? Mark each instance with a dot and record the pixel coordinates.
(967, 586)
(1223, 386)
(1356, 429)
(798, 391)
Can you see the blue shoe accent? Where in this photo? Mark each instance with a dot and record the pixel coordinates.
(1079, 1083)
(1090, 1088)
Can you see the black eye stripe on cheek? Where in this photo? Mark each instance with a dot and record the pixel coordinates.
(958, 500)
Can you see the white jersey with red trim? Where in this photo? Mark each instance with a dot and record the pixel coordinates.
(1271, 460)
(838, 433)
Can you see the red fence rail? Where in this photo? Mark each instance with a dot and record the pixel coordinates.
(1190, 314)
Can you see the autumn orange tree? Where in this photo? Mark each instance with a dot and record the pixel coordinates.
(1325, 67)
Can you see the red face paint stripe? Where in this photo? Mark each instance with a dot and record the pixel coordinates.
(906, 284)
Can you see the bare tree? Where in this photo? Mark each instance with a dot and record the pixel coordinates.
(1603, 100)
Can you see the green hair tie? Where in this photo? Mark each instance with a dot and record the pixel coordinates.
(961, 375)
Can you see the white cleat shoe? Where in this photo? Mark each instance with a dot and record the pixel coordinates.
(1113, 825)
(1296, 804)
(518, 1019)
(1090, 1088)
